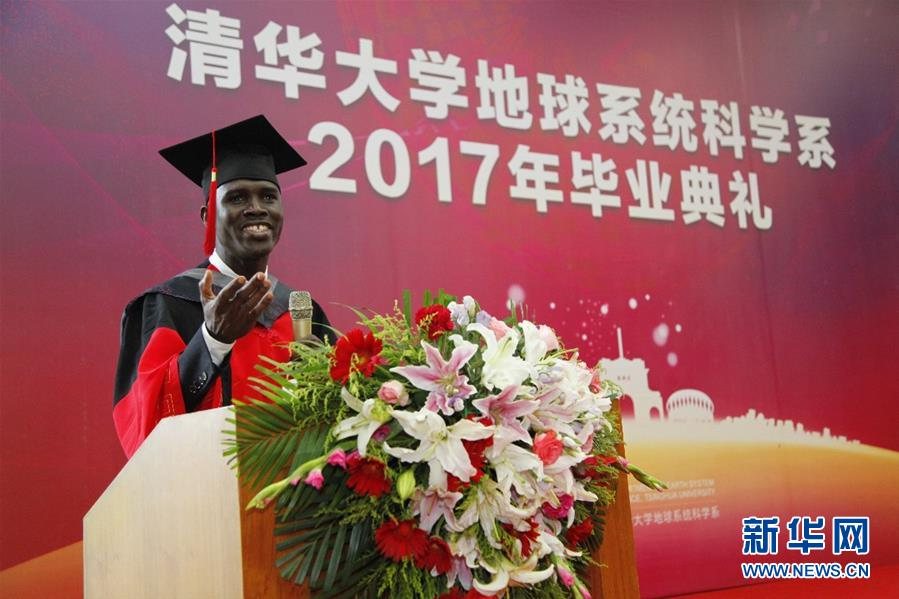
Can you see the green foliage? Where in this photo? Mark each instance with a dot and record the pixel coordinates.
(545, 590)
(265, 437)
(404, 581)
(407, 306)
(319, 544)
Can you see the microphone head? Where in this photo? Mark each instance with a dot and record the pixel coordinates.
(300, 305)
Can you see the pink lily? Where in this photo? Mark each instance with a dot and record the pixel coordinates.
(448, 388)
(505, 410)
(430, 505)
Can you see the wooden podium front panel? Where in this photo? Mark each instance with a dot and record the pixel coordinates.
(172, 524)
(617, 577)
(169, 524)
(261, 579)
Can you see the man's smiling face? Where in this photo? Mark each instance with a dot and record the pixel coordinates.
(248, 220)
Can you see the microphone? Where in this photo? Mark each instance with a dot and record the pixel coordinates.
(300, 306)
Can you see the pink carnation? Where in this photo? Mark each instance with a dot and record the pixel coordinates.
(337, 458)
(560, 511)
(315, 479)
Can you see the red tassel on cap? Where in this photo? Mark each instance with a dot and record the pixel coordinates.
(209, 241)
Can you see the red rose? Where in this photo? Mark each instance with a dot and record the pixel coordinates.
(579, 532)
(548, 447)
(596, 381)
(436, 318)
(437, 557)
(401, 539)
(355, 351)
(367, 476)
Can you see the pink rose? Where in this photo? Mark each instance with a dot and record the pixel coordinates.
(498, 327)
(394, 393)
(548, 447)
(548, 336)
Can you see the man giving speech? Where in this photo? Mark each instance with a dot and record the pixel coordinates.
(191, 343)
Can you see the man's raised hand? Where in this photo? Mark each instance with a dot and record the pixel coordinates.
(231, 314)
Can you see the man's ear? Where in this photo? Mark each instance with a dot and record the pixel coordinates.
(203, 214)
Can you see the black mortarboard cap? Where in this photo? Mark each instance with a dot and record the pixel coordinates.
(249, 149)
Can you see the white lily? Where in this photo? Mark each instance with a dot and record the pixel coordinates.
(535, 347)
(372, 414)
(515, 466)
(508, 572)
(502, 367)
(441, 446)
(560, 470)
(487, 504)
(550, 544)
(466, 546)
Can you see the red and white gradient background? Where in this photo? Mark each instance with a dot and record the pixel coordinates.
(798, 322)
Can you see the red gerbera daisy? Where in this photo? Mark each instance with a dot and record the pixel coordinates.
(367, 476)
(437, 557)
(398, 539)
(436, 318)
(579, 532)
(457, 593)
(356, 350)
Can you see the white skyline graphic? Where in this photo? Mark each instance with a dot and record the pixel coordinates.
(692, 411)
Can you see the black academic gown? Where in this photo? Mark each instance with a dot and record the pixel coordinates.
(164, 365)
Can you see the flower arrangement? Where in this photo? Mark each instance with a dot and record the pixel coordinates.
(450, 454)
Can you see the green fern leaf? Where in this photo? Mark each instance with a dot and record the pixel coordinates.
(334, 562)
